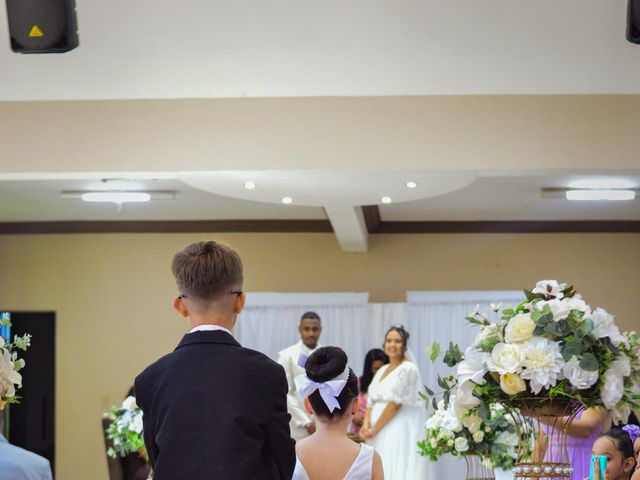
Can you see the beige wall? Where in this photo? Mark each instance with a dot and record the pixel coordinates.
(479, 133)
(112, 295)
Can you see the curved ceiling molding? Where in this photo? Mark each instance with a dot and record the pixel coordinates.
(340, 193)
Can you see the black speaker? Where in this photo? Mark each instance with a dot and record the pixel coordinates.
(42, 26)
(633, 21)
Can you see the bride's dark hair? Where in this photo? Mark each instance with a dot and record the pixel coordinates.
(323, 365)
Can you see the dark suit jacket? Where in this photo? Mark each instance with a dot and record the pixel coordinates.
(215, 410)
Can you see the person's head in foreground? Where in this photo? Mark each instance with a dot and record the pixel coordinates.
(209, 280)
(330, 385)
(616, 446)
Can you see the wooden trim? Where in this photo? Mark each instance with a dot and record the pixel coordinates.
(582, 226)
(372, 217)
(371, 214)
(181, 226)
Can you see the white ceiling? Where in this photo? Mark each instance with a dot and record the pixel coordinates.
(504, 198)
(278, 48)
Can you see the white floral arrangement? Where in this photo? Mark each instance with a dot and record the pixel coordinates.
(494, 438)
(11, 364)
(552, 347)
(125, 429)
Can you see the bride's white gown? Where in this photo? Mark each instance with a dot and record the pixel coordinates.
(397, 441)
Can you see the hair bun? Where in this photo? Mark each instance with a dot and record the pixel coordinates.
(326, 363)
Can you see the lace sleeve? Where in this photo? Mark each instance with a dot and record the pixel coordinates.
(407, 383)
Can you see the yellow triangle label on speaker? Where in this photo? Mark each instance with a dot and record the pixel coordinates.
(36, 32)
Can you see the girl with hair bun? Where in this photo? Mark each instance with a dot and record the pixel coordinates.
(331, 388)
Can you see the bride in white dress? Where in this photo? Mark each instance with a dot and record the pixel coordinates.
(332, 391)
(395, 417)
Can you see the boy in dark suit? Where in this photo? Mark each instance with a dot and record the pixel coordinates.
(213, 409)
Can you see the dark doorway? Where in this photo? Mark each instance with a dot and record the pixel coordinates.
(31, 422)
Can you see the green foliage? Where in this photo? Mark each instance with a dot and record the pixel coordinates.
(126, 439)
(453, 356)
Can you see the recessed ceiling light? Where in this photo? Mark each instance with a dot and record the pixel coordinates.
(287, 200)
(411, 184)
(602, 183)
(116, 197)
(249, 185)
(385, 199)
(600, 194)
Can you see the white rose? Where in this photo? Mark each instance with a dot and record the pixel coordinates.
(452, 423)
(621, 366)
(129, 403)
(461, 444)
(478, 436)
(507, 438)
(519, 329)
(434, 443)
(577, 303)
(604, 326)
(612, 390)
(550, 288)
(559, 308)
(578, 377)
(506, 358)
(433, 422)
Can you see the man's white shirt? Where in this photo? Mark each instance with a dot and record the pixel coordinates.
(210, 328)
(288, 358)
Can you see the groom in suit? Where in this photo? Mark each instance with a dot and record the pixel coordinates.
(213, 409)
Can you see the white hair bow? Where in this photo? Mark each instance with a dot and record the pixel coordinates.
(329, 390)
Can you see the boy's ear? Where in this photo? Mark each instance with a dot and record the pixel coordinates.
(180, 307)
(239, 303)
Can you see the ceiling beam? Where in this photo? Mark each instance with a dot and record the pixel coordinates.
(349, 226)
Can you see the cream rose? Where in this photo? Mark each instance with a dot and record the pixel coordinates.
(506, 358)
(519, 329)
(511, 384)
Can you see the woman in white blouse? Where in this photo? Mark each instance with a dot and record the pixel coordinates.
(394, 422)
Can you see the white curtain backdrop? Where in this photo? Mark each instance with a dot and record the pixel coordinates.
(270, 322)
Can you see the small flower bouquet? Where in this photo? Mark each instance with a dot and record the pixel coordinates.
(494, 439)
(125, 429)
(552, 348)
(11, 364)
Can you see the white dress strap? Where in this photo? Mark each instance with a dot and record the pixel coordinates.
(362, 467)
(299, 472)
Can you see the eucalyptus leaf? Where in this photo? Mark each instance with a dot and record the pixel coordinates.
(589, 362)
(434, 351)
(572, 348)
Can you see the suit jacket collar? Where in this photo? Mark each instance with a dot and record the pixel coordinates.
(216, 336)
